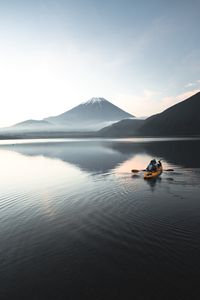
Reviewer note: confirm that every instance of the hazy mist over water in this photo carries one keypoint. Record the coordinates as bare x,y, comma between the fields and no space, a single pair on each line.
76,224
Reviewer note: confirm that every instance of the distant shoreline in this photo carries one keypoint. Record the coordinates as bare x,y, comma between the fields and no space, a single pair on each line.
74,135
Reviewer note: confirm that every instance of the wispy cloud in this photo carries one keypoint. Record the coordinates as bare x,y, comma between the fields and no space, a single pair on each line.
190,84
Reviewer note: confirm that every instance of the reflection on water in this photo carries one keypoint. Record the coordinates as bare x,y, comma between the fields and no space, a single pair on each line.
77,224
93,157
101,156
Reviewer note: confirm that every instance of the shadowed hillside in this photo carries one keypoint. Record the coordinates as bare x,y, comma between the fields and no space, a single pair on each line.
180,119
124,128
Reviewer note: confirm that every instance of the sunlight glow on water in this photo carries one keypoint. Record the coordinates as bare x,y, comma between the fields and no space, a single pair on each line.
138,162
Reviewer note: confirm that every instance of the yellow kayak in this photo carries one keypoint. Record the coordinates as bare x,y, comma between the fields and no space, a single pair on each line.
154,174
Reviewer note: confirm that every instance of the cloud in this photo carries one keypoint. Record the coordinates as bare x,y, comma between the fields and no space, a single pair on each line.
190,84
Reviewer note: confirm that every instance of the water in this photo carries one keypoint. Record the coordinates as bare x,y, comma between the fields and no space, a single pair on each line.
76,224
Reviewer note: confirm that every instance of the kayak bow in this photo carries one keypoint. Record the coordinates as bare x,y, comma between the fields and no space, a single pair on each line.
154,174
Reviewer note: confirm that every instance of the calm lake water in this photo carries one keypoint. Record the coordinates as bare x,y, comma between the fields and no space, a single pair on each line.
76,224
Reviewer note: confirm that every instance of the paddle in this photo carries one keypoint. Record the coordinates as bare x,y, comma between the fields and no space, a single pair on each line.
137,171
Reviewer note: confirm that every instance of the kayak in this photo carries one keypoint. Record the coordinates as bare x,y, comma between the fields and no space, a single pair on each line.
154,174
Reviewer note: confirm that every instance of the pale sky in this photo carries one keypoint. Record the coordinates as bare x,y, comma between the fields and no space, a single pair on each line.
141,55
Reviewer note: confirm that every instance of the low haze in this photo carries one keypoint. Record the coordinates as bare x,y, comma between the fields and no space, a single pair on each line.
143,56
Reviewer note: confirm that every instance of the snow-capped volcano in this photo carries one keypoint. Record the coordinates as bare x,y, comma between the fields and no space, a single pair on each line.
90,115
94,100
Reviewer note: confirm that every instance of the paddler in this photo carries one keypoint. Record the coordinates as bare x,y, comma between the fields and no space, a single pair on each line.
152,166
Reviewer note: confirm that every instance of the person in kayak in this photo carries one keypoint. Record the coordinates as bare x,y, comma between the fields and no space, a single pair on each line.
153,165
153,170
159,164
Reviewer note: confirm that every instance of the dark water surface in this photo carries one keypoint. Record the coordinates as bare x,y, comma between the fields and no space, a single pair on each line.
75,223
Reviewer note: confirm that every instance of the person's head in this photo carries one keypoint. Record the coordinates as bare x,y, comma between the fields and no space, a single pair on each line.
153,161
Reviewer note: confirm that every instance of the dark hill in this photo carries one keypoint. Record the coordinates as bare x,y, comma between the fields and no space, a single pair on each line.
124,128
180,119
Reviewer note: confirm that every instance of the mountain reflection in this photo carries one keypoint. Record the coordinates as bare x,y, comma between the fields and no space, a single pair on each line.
105,155
93,157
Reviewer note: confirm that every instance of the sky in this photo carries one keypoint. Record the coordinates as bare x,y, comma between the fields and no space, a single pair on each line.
143,56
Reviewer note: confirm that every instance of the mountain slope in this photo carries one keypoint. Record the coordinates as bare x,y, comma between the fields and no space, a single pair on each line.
33,123
93,114
180,119
30,125
124,128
